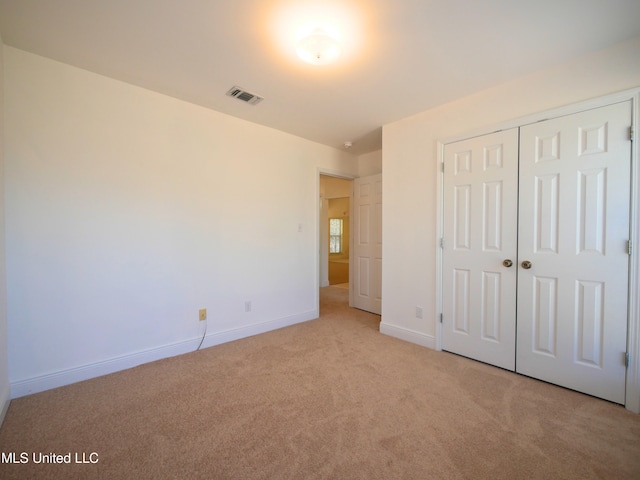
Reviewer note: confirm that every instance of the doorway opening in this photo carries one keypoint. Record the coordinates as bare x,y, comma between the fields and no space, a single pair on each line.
335,233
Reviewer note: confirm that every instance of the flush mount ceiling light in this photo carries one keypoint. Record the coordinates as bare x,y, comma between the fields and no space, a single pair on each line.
320,32
318,48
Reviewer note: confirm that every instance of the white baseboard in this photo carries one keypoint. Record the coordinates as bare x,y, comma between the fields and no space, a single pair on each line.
73,375
78,374
408,335
216,338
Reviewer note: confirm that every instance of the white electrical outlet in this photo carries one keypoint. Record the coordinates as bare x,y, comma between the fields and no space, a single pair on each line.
247,306
419,312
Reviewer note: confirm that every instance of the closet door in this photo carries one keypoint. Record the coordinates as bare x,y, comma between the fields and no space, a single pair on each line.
573,233
480,229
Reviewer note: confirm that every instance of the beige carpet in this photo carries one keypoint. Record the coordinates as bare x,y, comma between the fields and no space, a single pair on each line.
327,399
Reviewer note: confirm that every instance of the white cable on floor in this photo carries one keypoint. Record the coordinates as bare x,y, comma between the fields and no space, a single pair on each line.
203,335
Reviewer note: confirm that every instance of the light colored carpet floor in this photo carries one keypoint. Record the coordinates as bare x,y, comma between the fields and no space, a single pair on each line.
327,399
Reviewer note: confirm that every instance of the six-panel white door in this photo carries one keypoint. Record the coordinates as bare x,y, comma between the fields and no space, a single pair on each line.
572,264
573,229
480,235
367,245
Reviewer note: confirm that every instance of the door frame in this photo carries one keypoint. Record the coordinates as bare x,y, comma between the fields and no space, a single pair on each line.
632,397
345,176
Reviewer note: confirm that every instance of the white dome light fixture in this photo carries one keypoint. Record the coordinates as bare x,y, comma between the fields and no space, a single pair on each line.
319,48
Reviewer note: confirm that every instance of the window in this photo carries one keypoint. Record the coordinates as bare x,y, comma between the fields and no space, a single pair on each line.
335,235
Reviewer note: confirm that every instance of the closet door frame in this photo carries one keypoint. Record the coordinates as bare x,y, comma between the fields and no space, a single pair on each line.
632,397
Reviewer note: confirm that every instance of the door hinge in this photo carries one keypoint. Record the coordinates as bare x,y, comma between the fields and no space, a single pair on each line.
442,242
441,315
626,359
442,168
631,133
629,247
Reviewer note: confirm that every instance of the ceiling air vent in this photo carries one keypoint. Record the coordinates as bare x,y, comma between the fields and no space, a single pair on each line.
245,96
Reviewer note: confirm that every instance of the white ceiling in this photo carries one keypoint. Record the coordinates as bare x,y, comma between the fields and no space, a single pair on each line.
400,57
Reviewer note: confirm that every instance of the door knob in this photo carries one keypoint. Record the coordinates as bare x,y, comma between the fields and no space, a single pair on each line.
507,263
526,264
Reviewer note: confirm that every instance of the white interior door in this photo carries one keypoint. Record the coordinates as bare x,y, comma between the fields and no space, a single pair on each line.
480,239
366,275
570,304
573,229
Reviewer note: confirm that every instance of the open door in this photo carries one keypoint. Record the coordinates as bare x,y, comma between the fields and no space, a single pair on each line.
366,263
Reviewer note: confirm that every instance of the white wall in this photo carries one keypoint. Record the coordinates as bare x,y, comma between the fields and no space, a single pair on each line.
5,393
370,163
410,173
127,211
